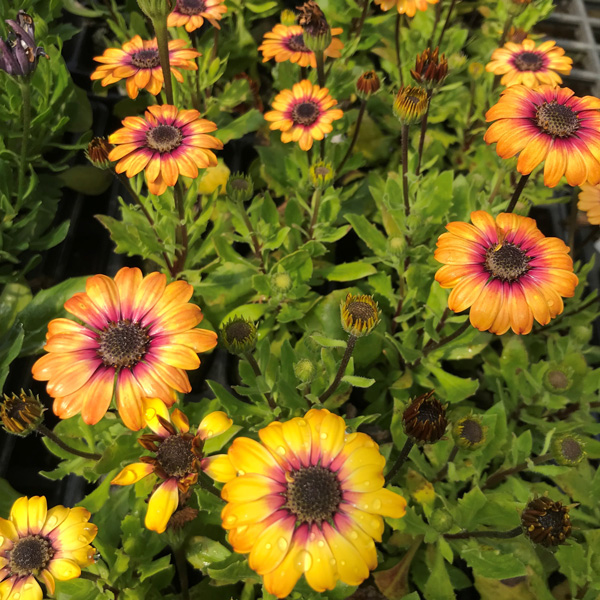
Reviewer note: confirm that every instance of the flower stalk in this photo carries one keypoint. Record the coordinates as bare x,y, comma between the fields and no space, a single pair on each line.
53,437
181,234
400,460
430,347
341,370
162,37
517,193
424,120
463,535
316,203
397,37
446,23
500,475
359,118
405,169
25,87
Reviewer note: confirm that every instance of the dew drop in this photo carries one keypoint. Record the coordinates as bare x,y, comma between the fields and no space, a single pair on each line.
268,546
302,423
354,535
321,544
281,451
83,539
342,563
242,529
323,436
375,524
231,519
364,506
376,504
332,562
27,586
150,414
282,544
210,433
16,596
303,561
51,522
1,540
240,473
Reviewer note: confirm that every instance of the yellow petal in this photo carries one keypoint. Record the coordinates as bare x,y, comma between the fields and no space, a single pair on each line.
250,487
75,537
154,408
272,545
248,456
132,474
162,505
7,530
64,569
238,515
214,424
364,479
322,573
363,543
371,524
19,515
28,588
48,581
352,569
180,421
331,433
382,502
219,467
37,511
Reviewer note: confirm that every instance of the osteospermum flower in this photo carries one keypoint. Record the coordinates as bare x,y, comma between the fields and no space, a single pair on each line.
303,114
191,13
531,66
138,62
167,143
405,7
589,202
505,270
286,42
137,340
45,544
548,124
308,499
178,461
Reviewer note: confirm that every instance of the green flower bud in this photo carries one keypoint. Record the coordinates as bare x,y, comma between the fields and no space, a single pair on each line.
281,283
441,520
304,370
321,175
396,245
469,433
20,415
155,9
240,187
317,34
568,450
239,335
288,17
558,379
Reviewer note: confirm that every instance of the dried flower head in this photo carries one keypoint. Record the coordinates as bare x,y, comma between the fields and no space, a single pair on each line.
317,33
97,152
360,314
430,69
410,104
546,522
21,414
19,53
568,450
239,335
469,433
321,175
516,35
367,84
425,419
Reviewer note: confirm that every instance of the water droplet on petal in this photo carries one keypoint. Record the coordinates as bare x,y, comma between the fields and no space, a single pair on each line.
323,436
150,414
83,539
51,522
332,562
375,524
321,544
364,506
210,433
376,504
281,451
240,473
1,540
16,596
302,423
27,586
268,546
282,544
342,563
354,535
231,519
303,561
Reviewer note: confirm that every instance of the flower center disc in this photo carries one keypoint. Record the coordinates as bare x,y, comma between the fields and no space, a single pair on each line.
556,119
175,456
555,521
471,431
238,331
30,555
570,449
296,43
314,494
305,113
146,59
528,61
123,344
239,184
191,7
507,263
164,138
361,311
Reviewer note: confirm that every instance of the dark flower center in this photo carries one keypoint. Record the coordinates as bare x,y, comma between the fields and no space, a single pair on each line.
30,555
305,113
164,138
552,520
175,456
361,311
508,263
238,331
546,522
191,7
146,59
556,119
471,431
528,61
314,494
558,380
295,43
322,171
123,344
428,412
238,183
571,449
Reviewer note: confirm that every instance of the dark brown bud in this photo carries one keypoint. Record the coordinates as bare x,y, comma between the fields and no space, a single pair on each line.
425,419
430,69
317,34
97,152
516,35
546,522
367,84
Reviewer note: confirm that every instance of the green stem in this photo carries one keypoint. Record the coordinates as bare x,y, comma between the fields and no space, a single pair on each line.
52,436
320,58
316,203
397,37
181,234
507,26
430,347
446,22
255,243
342,369
162,37
181,565
500,475
258,373
363,16
424,120
23,162
359,119
400,460
484,534
517,193
405,169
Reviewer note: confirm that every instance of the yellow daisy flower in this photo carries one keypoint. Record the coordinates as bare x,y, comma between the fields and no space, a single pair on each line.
42,544
303,114
308,499
178,459
589,202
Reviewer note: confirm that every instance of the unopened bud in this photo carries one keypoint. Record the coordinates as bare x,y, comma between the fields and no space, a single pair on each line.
304,370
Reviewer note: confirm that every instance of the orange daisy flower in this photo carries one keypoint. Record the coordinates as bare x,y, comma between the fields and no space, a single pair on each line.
286,42
192,13
137,340
406,7
505,270
138,62
308,500
179,458
589,202
548,124
167,143
41,544
302,114
531,66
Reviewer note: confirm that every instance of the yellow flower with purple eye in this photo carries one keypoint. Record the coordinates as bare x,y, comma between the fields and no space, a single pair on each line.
137,340
551,125
165,144
192,13
505,270
137,62
308,499
530,65
303,114
178,458
406,7
41,544
286,42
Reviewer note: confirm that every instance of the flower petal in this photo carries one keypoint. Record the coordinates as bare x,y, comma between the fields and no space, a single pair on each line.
132,474
213,424
163,503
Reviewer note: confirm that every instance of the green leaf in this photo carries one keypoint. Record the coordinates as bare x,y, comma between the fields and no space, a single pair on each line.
328,342
14,298
393,583
86,179
438,586
148,569
361,382
468,508
10,346
491,563
77,589
7,498
348,271
453,388
202,552
248,122
368,233
260,8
